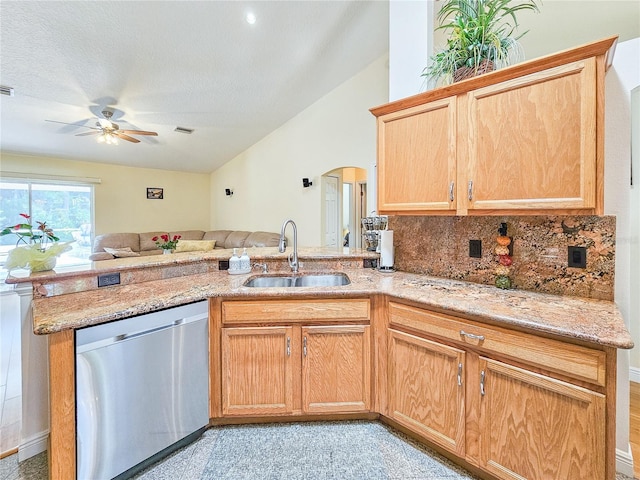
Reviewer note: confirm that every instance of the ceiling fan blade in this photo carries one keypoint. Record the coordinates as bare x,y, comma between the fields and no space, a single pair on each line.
139,132
72,124
97,132
121,135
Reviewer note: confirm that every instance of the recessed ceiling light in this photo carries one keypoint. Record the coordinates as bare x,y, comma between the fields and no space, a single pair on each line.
4,90
186,130
251,18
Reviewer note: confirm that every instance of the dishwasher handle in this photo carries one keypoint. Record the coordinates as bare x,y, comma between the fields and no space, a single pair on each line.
128,336
121,337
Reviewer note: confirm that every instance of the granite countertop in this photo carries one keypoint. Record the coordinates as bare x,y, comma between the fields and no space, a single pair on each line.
593,321
257,254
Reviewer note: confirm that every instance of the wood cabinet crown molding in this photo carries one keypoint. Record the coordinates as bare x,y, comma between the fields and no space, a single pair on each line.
604,47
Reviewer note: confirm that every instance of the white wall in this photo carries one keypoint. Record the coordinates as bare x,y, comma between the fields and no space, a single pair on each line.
407,21
634,227
623,77
121,203
336,131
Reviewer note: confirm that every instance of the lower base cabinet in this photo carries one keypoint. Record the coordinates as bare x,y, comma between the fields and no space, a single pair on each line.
534,426
257,371
509,420
426,391
295,368
336,373
511,404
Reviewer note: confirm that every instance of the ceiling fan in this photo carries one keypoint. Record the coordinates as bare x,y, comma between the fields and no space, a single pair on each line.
109,132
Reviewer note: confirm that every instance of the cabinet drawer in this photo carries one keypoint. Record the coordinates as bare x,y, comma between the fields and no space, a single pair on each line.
279,311
579,362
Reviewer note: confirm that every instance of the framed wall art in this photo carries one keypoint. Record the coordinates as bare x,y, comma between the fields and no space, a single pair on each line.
155,193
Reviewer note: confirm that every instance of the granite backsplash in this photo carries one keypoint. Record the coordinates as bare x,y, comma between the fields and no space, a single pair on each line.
439,246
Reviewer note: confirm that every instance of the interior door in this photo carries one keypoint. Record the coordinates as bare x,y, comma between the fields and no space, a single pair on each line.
332,211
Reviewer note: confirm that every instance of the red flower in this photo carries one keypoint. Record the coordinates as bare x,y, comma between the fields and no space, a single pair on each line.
25,216
155,238
165,237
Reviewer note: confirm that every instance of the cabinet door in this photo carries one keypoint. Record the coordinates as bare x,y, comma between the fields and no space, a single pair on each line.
336,369
535,427
426,389
531,141
417,158
257,370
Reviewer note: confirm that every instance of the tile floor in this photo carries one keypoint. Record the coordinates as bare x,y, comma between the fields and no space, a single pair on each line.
357,450
349,450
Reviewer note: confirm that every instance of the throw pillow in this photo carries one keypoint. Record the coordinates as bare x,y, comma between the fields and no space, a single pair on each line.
195,245
121,252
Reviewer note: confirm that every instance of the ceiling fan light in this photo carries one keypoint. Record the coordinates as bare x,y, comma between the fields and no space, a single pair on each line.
101,138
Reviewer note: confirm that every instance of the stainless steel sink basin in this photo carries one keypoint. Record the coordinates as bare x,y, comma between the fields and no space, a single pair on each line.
269,282
323,280
312,280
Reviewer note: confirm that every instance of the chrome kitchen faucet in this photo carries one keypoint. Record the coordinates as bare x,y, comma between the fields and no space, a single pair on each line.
293,257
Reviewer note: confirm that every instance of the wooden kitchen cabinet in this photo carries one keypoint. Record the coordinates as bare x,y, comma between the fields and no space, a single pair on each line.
524,407
336,368
291,367
530,143
417,158
426,389
522,140
257,371
534,426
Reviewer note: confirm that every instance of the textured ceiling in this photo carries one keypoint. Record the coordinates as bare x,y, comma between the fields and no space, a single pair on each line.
162,64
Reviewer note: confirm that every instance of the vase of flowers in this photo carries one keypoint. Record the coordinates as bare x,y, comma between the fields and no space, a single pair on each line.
166,243
36,248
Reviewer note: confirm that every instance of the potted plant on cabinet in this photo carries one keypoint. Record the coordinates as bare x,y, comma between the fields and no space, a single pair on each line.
480,39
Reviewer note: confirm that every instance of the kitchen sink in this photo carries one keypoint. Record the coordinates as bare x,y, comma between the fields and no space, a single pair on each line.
311,280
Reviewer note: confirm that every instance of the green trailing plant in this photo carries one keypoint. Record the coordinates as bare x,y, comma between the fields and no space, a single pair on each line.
480,39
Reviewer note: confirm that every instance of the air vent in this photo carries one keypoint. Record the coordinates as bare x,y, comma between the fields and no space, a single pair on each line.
188,131
4,90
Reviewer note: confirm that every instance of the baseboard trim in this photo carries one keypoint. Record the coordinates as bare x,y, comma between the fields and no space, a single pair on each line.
32,446
634,374
624,462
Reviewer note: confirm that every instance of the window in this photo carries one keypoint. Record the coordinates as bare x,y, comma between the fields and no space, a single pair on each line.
67,208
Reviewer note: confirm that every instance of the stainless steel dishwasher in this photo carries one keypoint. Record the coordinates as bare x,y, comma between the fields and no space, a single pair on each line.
142,389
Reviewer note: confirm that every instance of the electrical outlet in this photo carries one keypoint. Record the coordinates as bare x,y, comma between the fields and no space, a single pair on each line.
475,248
369,262
223,264
108,279
577,257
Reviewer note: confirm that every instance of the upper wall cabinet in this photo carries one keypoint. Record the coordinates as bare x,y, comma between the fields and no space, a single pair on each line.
526,139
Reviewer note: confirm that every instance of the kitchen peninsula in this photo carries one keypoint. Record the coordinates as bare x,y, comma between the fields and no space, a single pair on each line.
424,344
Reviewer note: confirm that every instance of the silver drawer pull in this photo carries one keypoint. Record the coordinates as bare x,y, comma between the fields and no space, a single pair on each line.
304,346
459,374
288,346
480,338
451,185
470,190
482,375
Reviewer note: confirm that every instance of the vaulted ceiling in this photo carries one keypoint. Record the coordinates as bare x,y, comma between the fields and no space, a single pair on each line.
163,64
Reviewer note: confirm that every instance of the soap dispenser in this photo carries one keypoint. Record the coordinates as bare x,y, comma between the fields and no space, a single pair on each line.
234,261
245,261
